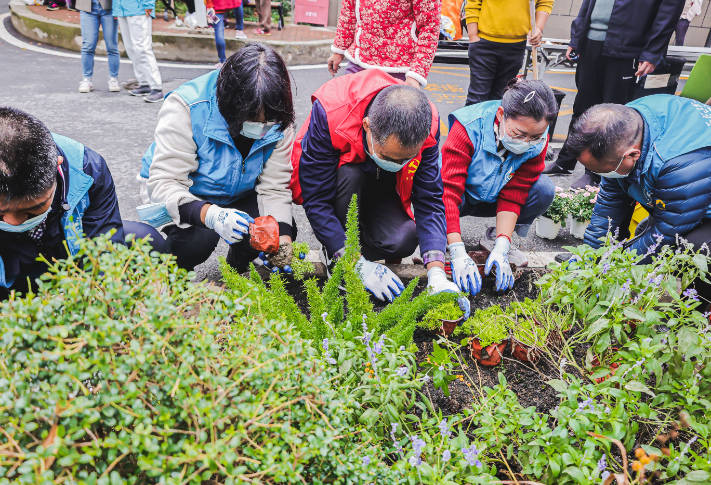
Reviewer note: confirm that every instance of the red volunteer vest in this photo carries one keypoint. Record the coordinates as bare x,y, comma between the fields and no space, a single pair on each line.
345,100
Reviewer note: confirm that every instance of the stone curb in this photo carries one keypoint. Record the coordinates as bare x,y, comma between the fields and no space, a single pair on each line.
167,46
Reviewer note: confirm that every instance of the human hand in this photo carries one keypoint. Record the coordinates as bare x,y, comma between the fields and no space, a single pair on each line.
535,36
437,281
231,224
210,11
473,31
149,11
644,68
464,271
334,63
499,258
379,279
568,53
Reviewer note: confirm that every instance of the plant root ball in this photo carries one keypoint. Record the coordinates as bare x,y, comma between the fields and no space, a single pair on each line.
283,256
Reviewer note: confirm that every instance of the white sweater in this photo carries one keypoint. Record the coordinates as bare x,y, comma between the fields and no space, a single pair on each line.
175,158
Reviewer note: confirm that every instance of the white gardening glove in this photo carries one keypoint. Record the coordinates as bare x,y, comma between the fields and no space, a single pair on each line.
464,271
232,225
379,280
499,257
437,281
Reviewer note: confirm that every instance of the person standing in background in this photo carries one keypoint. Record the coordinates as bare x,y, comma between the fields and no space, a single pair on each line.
692,8
264,13
217,10
498,31
395,36
97,14
616,41
135,18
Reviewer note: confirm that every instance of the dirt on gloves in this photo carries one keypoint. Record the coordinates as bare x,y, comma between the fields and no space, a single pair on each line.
283,256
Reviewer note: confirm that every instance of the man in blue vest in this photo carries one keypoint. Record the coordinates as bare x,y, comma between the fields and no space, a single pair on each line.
655,151
53,191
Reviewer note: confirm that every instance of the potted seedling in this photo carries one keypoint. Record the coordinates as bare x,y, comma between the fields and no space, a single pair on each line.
479,257
548,225
443,318
527,339
581,207
489,333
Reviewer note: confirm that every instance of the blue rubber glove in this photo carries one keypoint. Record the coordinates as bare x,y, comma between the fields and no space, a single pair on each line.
499,258
379,280
464,271
437,281
271,267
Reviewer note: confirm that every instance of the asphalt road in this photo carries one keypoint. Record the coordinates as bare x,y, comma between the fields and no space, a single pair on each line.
120,126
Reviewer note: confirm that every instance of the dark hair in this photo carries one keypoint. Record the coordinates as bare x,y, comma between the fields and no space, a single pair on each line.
530,99
28,156
254,80
403,111
603,130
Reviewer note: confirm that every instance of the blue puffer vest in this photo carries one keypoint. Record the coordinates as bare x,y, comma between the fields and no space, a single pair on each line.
487,174
77,197
669,138
223,176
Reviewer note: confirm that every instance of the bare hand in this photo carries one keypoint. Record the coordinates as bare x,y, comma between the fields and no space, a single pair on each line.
534,37
149,11
708,101
644,68
211,11
568,52
412,82
473,31
334,63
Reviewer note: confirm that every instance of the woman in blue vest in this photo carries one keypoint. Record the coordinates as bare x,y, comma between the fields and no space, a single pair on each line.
491,167
53,191
221,156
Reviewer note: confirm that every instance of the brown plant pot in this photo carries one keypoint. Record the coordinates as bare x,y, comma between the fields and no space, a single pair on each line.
490,355
613,368
523,352
448,326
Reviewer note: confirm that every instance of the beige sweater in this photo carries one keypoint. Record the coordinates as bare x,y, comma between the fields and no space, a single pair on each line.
175,158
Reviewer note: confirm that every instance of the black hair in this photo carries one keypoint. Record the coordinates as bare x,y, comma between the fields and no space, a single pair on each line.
403,111
604,130
530,99
28,156
254,80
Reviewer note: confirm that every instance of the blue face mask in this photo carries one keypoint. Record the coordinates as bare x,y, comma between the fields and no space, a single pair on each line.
28,225
386,165
255,129
155,214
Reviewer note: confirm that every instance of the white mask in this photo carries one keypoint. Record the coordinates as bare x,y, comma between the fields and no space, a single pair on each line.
255,129
613,174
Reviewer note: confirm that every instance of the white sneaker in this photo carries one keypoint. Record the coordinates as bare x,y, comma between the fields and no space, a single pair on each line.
114,86
86,85
239,34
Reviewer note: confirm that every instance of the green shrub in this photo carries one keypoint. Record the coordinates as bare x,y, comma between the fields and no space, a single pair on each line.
490,325
301,267
446,311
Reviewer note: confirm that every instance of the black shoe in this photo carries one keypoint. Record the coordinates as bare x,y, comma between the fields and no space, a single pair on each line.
140,91
555,169
588,178
155,96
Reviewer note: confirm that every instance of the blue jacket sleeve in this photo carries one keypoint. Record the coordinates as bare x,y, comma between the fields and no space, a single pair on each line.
103,214
577,26
682,195
660,31
317,176
427,202
613,209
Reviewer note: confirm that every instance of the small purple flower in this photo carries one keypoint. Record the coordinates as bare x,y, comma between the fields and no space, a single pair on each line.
446,456
626,286
691,294
417,446
605,475
654,280
602,464
706,315
401,371
378,347
366,460
324,344
584,405
444,428
425,379
396,443
471,455
605,268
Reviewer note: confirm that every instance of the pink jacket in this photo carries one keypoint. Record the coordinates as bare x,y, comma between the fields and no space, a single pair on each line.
223,5
394,35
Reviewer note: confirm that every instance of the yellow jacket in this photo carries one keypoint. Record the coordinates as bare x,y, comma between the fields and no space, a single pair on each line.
503,20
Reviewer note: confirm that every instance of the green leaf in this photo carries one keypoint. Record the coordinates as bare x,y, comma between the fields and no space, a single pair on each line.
369,417
637,386
558,385
698,476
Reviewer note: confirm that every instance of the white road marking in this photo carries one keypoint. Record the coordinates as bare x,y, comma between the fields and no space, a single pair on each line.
6,36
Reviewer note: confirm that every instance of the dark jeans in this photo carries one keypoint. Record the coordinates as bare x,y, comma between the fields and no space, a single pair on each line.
681,27
193,245
599,79
539,199
220,30
491,66
141,230
386,231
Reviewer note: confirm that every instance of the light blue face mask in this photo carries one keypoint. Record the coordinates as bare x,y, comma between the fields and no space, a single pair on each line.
516,146
155,214
386,165
28,225
255,129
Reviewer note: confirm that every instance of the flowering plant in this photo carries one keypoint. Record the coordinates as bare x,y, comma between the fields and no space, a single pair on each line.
582,202
560,207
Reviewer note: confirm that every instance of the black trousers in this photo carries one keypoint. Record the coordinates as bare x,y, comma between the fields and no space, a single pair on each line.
386,231
698,237
491,66
193,245
599,79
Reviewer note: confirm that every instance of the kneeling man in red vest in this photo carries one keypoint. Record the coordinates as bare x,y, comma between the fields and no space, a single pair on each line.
371,135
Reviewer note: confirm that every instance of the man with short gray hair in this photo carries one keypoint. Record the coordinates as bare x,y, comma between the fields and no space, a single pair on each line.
656,151
370,135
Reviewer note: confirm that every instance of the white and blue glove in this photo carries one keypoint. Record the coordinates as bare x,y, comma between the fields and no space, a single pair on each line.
379,280
499,258
231,225
437,281
464,271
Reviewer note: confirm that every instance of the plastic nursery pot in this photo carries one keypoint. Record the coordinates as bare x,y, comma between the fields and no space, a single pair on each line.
448,326
523,352
490,355
546,228
577,228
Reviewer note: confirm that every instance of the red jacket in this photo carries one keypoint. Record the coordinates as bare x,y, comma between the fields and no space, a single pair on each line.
345,100
223,5
393,35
